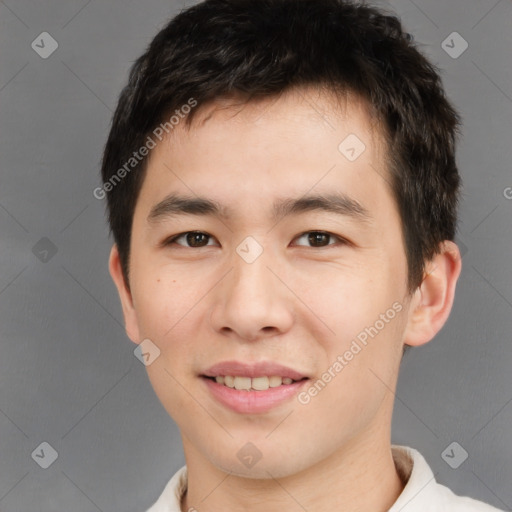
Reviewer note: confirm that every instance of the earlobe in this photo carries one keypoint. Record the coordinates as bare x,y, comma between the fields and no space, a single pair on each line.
433,300
129,313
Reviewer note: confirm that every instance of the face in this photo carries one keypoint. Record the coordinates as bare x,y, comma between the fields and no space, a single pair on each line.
296,259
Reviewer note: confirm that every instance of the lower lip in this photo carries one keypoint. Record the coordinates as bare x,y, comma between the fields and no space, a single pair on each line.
250,402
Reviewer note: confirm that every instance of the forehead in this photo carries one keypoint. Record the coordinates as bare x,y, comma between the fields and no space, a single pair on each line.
290,113
303,140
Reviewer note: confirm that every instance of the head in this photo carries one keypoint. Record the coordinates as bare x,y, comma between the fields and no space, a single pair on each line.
251,104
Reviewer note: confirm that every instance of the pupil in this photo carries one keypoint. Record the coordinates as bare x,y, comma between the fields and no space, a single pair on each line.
317,238
194,239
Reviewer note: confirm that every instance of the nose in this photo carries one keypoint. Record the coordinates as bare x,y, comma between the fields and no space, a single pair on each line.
252,302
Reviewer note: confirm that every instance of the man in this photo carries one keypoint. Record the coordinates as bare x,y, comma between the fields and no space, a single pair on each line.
282,191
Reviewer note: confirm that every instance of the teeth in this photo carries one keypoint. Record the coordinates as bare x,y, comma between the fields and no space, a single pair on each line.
243,383
256,384
260,383
273,382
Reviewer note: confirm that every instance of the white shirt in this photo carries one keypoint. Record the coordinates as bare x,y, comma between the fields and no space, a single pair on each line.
421,493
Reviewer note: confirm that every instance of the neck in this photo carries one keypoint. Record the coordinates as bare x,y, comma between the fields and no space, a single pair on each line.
360,477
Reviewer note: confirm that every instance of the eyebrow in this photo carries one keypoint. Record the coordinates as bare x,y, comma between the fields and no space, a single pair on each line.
339,203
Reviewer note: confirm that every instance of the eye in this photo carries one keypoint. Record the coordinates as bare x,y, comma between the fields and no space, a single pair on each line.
320,238
198,239
194,239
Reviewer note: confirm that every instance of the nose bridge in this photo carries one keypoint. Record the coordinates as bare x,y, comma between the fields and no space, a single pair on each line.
250,281
251,300
250,284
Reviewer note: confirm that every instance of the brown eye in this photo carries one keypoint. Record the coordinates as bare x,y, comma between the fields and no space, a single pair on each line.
319,238
193,239
197,239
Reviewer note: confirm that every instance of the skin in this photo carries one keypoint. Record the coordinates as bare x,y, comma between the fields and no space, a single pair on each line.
298,304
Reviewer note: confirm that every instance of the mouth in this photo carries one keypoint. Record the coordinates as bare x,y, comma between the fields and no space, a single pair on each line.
249,400
252,388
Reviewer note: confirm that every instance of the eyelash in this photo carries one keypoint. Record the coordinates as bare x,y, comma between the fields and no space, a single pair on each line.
172,240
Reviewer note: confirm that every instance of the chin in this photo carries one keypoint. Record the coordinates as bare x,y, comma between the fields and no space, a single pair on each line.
260,471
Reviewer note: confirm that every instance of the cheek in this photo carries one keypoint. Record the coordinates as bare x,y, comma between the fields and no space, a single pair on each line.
361,370
164,301
342,297
360,314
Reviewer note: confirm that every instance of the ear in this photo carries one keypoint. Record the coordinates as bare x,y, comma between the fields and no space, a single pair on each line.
130,317
433,300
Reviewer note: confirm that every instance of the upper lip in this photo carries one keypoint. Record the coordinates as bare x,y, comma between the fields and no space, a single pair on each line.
260,369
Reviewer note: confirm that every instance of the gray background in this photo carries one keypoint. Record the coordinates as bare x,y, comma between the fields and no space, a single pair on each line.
68,375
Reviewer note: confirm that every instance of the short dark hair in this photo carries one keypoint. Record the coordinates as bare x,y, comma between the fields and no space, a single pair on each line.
262,48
